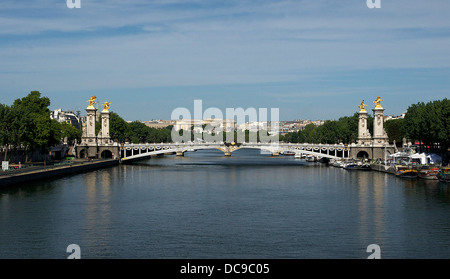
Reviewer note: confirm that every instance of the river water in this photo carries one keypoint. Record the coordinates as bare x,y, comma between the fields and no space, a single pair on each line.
205,205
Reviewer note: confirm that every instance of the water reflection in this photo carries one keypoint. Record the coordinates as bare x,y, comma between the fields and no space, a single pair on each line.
98,210
245,206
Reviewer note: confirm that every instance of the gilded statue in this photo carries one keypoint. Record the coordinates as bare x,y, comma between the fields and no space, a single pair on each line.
362,106
92,102
106,106
377,102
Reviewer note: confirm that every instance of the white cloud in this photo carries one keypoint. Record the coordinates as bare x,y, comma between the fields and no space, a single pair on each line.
136,44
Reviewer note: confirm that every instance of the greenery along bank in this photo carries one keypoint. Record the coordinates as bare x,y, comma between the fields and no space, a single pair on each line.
26,125
428,124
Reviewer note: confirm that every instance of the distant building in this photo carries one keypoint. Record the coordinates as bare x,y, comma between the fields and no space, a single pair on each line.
159,124
253,126
67,116
392,117
225,125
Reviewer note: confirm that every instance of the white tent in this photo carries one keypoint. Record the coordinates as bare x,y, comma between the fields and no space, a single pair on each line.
427,159
422,157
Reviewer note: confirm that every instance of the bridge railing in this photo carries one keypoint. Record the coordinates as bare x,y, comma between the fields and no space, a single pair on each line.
131,151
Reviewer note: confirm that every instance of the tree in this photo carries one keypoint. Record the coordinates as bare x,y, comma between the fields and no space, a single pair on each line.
139,131
394,129
118,127
32,125
430,125
6,133
70,132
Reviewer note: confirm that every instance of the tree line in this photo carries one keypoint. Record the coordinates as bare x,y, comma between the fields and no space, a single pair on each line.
208,133
136,131
26,124
343,130
426,123
429,124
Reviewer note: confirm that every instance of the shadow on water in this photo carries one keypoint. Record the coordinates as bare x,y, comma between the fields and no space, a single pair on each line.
239,158
207,205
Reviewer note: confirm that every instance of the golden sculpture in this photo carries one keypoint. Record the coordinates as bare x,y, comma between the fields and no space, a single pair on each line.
362,107
92,102
377,102
106,106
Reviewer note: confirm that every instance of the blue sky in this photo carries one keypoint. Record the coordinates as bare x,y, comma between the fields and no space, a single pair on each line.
312,59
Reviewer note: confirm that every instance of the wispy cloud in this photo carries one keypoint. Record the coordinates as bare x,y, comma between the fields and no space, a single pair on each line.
113,45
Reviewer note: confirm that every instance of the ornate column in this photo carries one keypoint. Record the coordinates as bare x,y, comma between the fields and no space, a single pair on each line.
379,134
105,135
364,136
89,144
89,133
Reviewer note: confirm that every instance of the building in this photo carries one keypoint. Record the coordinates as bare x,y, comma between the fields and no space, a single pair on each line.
225,125
159,124
393,117
67,116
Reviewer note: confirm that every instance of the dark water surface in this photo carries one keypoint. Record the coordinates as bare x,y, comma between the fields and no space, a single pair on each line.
205,205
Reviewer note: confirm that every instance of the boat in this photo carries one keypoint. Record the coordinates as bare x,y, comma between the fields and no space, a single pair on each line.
429,173
297,156
364,166
444,174
310,159
351,166
338,164
409,173
287,153
399,169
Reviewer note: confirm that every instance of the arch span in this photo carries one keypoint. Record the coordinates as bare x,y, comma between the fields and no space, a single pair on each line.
106,154
130,152
362,154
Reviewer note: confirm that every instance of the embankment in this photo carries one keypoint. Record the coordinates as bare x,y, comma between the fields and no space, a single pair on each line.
51,172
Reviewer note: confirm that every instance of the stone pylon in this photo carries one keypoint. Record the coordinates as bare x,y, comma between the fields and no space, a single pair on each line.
364,136
104,135
380,136
89,133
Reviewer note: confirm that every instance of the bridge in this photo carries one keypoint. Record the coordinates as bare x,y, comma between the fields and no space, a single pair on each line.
101,145
132,152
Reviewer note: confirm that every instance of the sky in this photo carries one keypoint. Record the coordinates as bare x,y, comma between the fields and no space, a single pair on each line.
311,59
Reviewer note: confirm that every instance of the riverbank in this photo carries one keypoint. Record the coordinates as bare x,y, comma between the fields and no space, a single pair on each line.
382,168
18,178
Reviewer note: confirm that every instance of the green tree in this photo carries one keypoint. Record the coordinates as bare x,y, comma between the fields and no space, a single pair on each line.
394,129
118,127
32,125
139,132
6,128
70,132
430,125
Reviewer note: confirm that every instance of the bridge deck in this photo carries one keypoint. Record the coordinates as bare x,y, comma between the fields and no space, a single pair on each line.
141,151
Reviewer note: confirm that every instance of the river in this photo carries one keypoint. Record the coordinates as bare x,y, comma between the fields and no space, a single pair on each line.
208,206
